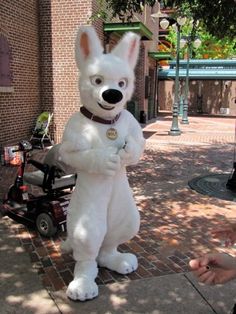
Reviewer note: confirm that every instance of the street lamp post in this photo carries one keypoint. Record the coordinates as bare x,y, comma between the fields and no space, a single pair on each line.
188,41
174,130
164,23
186,87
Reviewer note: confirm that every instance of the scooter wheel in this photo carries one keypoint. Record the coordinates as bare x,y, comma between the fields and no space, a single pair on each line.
45,225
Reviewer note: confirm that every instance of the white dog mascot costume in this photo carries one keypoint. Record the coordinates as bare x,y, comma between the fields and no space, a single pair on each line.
99,142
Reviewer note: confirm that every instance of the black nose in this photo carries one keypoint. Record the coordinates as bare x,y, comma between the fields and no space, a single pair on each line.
112,96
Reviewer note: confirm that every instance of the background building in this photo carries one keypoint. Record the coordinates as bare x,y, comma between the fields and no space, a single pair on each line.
37,65
40,37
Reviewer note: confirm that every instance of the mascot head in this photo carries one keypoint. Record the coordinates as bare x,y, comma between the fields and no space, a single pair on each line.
106,80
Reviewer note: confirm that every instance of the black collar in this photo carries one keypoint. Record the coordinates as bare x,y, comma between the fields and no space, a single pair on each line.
90,116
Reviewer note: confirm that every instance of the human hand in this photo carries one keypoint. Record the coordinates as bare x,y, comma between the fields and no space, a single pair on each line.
226,233
212,269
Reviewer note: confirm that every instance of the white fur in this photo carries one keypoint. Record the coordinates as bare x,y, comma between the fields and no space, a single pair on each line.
102,213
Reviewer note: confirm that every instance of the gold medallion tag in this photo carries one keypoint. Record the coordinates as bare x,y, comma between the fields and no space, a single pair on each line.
112,134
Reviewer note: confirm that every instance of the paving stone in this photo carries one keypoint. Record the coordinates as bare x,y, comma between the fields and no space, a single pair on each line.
174,219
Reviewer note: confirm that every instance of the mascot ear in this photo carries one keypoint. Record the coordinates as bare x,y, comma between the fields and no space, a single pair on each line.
128,48
87,45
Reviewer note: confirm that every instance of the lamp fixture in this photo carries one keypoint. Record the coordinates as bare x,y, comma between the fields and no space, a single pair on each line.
181,20
187,40
182,43
197,42
164,23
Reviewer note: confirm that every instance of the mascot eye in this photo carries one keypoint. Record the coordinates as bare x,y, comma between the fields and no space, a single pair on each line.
123,83
96,80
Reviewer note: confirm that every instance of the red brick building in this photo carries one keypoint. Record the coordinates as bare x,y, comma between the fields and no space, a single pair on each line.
20,98
37,66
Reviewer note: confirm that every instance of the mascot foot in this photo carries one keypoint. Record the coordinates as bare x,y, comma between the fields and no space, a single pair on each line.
82,289
122,263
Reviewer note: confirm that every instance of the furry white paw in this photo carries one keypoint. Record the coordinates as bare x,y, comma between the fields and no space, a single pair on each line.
131,151
82,289
122,263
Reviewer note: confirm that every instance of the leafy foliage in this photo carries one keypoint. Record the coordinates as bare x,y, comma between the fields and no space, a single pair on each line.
217,16
125,9
215,48
211,47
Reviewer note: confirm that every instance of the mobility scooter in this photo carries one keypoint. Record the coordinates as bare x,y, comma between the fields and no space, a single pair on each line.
46,211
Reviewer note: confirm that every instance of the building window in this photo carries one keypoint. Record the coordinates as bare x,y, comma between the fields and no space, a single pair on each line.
5,62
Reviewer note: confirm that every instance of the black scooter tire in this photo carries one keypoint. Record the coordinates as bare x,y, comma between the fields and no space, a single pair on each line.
45,225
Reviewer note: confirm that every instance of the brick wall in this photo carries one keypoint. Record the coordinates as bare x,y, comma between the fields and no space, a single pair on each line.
45,75
145,63
59,21
216,94
98,24
46,62
20,107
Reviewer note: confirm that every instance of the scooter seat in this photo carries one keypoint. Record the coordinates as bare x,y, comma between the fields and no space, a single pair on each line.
34,177
37,178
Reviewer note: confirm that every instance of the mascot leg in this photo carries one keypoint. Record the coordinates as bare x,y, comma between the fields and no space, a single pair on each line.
87,225
83,287
86,240
123,224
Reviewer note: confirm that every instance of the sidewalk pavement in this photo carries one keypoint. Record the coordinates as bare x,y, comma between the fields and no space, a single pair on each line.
175,225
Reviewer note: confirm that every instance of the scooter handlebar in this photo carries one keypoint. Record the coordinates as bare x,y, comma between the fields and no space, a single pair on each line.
24,146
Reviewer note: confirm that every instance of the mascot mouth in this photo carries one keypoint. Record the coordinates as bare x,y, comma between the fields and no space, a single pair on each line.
105,107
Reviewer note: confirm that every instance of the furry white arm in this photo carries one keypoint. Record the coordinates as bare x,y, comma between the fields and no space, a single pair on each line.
132,150
134,142
97,161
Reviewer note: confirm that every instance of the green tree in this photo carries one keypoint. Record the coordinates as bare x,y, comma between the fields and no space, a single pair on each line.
122,9
218,16
215,48
211,47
